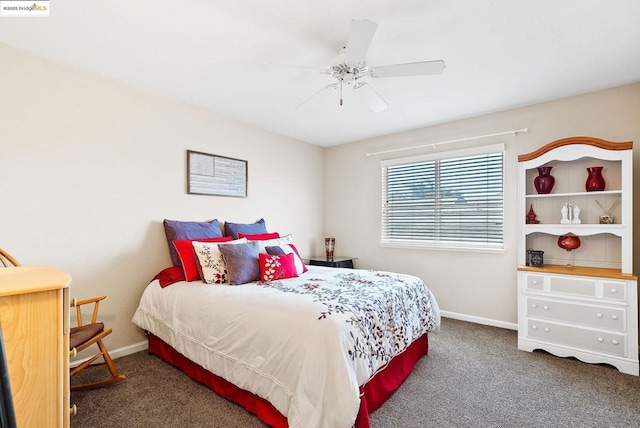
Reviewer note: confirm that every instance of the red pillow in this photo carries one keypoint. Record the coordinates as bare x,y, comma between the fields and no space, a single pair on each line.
277,267
169,275
259,236
188,257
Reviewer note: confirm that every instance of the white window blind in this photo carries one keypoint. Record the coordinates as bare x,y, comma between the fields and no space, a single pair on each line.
454,201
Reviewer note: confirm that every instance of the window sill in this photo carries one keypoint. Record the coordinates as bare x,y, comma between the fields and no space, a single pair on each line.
492,249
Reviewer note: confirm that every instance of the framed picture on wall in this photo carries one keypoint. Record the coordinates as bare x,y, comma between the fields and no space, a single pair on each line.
209,174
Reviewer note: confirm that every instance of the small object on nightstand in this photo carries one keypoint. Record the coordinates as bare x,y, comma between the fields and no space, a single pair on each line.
329,247
337,262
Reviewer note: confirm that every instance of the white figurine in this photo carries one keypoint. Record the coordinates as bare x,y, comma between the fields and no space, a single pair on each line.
576,215
565,213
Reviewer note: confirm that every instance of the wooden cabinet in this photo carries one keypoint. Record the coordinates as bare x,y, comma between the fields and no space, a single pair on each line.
34,317
584,302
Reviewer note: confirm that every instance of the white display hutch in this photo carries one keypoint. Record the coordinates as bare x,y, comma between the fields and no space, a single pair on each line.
581,303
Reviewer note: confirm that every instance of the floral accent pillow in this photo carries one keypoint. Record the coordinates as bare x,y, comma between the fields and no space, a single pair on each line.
212,265
288,249
189,262
273,268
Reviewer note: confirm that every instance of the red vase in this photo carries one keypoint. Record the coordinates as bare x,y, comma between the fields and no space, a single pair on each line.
544,181
595,180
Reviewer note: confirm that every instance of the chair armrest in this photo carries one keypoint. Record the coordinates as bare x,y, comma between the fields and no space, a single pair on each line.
79,303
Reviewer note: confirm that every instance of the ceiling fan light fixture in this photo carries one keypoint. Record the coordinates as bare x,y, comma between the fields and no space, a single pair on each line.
375,102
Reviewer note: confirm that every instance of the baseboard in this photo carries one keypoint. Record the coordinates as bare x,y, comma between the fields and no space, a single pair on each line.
117,353
479,320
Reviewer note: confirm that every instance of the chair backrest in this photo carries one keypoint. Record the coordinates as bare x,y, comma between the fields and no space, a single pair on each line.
7,260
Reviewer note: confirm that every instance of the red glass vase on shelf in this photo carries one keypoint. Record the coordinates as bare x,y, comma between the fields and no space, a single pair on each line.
544,181
595,180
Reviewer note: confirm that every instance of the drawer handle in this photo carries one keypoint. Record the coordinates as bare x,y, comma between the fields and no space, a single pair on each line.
534,282
600,339
535,327
599,315
545,307
615,342
614,291
546,329
533,305
614,317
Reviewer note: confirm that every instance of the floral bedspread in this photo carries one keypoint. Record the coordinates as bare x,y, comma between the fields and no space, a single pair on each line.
305,344
387,311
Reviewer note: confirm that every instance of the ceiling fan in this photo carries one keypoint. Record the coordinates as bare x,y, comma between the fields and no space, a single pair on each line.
350,67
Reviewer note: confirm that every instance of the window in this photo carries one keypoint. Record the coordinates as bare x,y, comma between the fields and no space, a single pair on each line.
454,199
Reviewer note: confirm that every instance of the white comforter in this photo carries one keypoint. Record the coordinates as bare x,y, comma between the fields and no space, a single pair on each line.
304,344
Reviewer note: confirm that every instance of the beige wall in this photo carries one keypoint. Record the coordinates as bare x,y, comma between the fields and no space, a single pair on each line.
479,286
89,169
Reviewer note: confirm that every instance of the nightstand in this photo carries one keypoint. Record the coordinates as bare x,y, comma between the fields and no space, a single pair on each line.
338,262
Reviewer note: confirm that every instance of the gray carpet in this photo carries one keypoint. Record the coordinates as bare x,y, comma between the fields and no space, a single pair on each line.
474,376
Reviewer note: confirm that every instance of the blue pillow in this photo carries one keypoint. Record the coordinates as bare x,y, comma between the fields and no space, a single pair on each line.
175,229
274,251
242,260
232,229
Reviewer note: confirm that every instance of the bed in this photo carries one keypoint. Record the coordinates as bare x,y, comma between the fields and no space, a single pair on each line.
319,350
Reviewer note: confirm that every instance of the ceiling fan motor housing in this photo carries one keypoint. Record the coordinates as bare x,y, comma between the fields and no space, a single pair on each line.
349,73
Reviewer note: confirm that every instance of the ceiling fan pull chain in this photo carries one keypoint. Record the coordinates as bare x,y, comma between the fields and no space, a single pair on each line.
340,92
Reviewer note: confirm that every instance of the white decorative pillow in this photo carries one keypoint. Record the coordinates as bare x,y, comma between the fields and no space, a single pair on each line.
276,242
212,264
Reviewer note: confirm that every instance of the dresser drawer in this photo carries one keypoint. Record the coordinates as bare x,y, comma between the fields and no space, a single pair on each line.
604,343
587,315
614,290
576,286
535,282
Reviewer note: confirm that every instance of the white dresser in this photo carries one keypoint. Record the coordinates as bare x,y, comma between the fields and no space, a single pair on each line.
582,303
570,312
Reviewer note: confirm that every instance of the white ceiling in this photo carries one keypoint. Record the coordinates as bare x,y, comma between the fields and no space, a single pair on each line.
499,54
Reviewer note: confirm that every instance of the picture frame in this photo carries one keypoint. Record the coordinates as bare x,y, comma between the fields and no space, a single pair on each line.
215,175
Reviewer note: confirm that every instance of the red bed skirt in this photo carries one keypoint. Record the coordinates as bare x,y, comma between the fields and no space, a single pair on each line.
372,394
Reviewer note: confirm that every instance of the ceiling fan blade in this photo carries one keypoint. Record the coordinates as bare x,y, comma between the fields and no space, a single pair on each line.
330,86
423,68
375,101
299,67
360,36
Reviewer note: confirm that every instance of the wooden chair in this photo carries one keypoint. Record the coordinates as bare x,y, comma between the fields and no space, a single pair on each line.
6,259
85,335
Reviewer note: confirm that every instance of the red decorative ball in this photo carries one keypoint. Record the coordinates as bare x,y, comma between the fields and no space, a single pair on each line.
569,242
